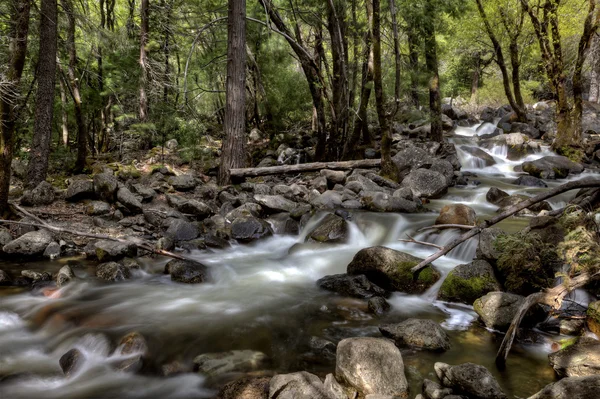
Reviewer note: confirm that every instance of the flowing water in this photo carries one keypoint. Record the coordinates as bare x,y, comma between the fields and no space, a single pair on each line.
263,298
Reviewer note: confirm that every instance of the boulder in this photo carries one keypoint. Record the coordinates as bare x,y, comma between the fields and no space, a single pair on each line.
181,230
469,379
275,203
517,145
426,183
433,390
241,361
183,182
250,228
383,202
5,278
552,167
497,310
247,209
371,366
424,334
43,194
33,243
593,317
525,128
327,200
529,181
505,203
300,385
358,183
332,229
80,189
354,286
146,193
52,251
71,362
483,158
495,195
246,388
188,272
130,201
486,248
579,359
390,269
108,250
196,208
466,283
571,388
457,214
98,208
105,186
334,176
112,271
171,144
5,237
65,276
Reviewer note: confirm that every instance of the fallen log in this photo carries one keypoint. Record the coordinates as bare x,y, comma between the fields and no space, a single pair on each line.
583,183
141,244
552,297
304,167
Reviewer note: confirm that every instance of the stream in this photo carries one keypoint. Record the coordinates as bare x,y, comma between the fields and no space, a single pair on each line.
263,298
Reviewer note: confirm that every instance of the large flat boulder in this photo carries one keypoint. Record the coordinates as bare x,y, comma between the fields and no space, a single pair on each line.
354,286
552,167
371,366
426,183
33,243
571,388
390,269
577,360
469,379
419,333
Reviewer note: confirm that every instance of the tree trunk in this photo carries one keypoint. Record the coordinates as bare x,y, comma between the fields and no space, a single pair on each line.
144,28
337,30
388,168
594,55
413,56
362,123
81,128
393,12
431,62
517,105
304,167
475,80
44,106
65,118
234,144
19,29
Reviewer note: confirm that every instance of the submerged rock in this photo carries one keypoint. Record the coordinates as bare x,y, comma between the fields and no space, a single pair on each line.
466,283
112,271
134,346
497,310
214,364
65,275
249,228
187,272
354,286
390,269
469,379
71,362
424,334
300,385
371,366
246,388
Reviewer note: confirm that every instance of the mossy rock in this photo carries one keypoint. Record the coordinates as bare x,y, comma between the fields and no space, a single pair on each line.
390,269
332,229
593,317
468,282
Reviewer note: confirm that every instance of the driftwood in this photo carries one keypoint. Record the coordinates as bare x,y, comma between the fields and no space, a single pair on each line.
412,240
583,183
552,297
447,226
304,167
138,243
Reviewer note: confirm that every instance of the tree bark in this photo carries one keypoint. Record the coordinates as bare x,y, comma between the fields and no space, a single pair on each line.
17,52
393,12
81,127
304,167
594,55
431,61
144,28
65,117
413,57
234,144
388,168
44,106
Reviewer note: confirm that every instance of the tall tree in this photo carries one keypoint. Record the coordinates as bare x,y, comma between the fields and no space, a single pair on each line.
74,82
144,28
594,57
513,31
44,105
396,34
234,143
387,166
19,20
431,62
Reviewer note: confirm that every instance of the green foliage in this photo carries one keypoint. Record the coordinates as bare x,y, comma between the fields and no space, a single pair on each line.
526,263
580,248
